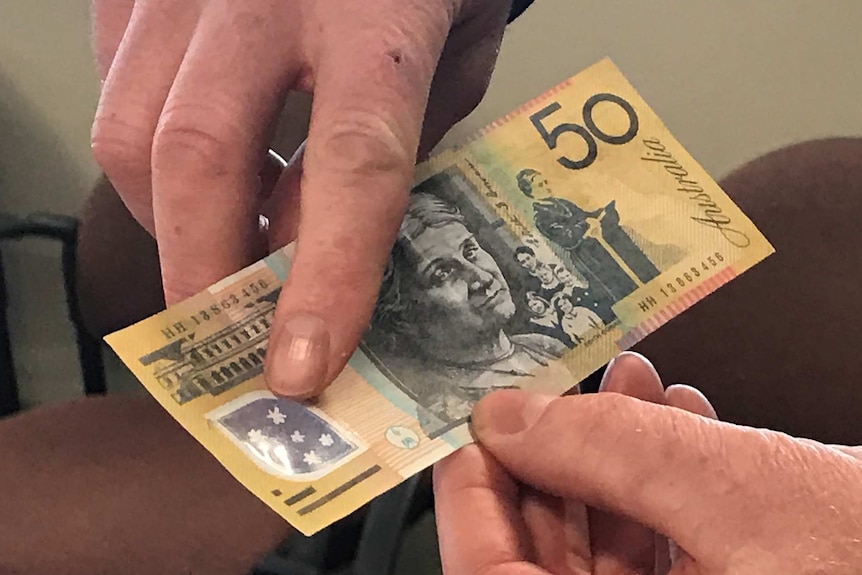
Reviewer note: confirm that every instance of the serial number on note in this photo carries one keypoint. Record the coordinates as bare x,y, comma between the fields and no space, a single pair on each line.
683,280
250,291
689,277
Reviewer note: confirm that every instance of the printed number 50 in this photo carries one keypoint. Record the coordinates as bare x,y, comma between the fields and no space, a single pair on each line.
552,137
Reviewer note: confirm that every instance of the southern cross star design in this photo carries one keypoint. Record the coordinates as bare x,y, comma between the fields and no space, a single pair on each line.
297,437
256,436
326,440
311,458
276,416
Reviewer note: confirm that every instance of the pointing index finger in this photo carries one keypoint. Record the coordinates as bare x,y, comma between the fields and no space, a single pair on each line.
371,89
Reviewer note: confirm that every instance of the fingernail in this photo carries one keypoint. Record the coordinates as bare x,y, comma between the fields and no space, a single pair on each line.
508,412
300,358
607,382
607,374
691,399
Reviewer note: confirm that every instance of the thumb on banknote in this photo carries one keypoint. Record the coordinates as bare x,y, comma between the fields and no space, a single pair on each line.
645,461
721,492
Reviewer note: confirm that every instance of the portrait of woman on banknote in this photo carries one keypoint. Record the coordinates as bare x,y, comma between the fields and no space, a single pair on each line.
452,321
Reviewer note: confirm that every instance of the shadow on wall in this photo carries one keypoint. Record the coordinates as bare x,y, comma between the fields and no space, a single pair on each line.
37,173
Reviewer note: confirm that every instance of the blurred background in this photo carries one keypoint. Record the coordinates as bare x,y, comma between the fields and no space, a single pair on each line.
732,80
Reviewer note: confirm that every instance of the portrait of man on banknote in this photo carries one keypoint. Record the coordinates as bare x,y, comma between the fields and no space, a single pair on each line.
453,319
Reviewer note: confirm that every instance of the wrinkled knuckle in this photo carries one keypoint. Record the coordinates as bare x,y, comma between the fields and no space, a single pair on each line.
193,148
774,451
120,148
713,449
730,457
602,406
366,145
594,414
616,408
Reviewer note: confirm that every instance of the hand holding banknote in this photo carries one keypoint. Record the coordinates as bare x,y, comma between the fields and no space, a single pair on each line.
730,499
191,91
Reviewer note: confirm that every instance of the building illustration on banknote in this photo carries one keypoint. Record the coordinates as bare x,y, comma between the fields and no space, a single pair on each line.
188,368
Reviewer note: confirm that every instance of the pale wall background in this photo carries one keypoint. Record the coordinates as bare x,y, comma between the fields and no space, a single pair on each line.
731,79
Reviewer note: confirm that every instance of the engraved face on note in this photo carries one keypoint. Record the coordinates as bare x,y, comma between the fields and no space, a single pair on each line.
459,284
533,184
453,320
527,258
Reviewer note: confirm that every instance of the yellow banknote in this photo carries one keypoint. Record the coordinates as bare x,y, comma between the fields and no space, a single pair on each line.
562,234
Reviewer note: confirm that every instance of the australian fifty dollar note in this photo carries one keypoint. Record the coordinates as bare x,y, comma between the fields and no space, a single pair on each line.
562,234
